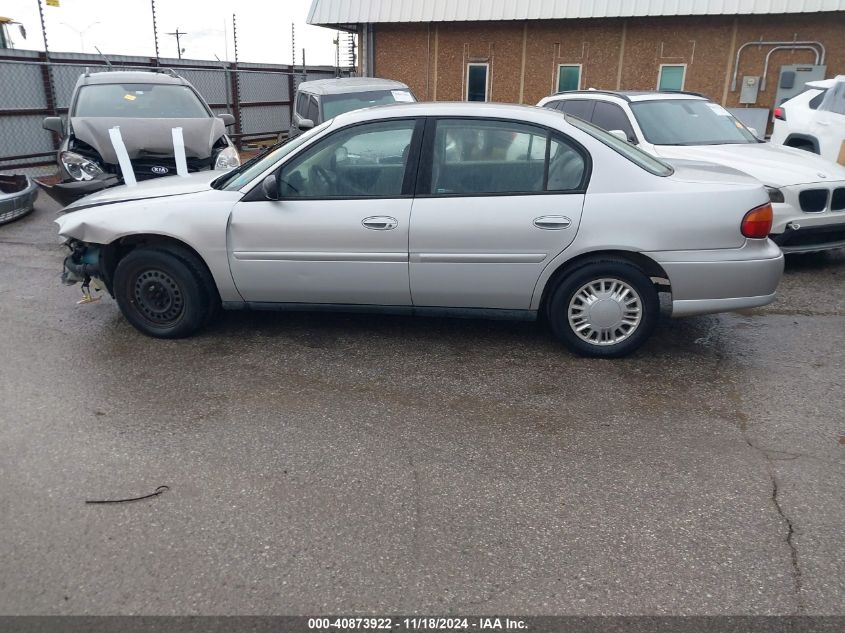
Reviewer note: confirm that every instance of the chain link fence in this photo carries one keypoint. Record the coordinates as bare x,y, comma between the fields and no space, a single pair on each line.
259,96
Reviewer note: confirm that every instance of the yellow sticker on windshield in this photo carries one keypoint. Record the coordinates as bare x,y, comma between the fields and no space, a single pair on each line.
130,97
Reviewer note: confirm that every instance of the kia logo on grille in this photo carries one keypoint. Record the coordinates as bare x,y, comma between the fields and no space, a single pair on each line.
159,170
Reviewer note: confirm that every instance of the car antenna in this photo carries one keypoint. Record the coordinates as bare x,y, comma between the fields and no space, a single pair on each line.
106,59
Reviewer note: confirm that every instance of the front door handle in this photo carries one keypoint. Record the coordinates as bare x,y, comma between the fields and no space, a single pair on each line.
380,222
552,222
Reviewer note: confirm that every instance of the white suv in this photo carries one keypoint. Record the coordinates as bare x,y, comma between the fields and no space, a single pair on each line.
814,120
807,191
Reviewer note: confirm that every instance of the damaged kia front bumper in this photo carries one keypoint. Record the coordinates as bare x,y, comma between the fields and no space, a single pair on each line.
67,192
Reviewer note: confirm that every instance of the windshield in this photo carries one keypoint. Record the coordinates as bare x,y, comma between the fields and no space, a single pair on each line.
254,167
139,101
632,153
689,122
338,104
834,99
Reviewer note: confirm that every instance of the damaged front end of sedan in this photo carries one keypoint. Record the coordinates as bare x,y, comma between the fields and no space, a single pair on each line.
84,265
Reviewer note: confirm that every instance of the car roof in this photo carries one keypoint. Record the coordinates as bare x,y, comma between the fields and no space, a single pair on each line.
130,77
475,109
629,95
825,84
349,84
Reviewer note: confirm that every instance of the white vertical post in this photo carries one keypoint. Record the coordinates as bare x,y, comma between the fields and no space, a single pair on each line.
179,152
122,157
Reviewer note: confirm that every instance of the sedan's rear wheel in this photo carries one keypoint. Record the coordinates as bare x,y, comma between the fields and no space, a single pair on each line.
604,309
162,293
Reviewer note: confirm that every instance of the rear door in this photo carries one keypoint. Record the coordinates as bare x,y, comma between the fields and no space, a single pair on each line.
496,201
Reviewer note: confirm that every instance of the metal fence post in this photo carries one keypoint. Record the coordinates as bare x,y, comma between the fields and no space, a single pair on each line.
49,92
236,105
291,95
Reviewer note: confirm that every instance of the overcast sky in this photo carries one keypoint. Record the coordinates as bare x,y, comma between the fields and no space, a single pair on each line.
125,27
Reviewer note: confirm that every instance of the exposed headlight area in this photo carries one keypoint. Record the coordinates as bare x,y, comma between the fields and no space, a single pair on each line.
227,158
775,194
78,167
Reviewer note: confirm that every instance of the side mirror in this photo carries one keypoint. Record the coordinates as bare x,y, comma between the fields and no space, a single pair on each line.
621,134
227,119
305,124
54,124
753,130
270,187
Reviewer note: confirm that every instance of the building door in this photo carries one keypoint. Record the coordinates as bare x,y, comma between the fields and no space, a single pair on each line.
477,82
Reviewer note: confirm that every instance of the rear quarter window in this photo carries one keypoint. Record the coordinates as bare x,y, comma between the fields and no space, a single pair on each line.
632,153
816,101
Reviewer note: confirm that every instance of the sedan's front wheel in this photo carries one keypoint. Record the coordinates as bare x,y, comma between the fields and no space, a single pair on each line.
162,292
604,309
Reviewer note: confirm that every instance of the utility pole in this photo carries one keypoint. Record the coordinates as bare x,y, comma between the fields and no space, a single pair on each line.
292,45
155,28
178,34
337,54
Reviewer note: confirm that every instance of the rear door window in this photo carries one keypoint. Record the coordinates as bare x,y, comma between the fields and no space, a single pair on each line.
482,157
582,108
609,116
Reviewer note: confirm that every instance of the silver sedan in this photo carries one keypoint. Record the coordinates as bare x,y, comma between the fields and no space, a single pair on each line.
489,210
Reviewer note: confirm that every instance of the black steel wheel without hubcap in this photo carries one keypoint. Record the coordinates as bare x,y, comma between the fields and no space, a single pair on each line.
164,293
158,297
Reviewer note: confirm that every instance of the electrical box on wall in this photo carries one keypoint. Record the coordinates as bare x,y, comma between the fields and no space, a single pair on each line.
792,79
749,89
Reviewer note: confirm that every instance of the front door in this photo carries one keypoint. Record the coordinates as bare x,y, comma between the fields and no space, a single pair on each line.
496,201
339,233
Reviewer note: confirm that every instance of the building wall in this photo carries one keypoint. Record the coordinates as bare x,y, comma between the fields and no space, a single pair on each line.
614,53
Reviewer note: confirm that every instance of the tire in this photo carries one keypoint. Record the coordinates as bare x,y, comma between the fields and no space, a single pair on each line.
599,298
164,292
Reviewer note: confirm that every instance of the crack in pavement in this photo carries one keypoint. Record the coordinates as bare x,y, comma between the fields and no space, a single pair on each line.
742,418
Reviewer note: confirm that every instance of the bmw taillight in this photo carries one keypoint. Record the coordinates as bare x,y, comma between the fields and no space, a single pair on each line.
780,114
757,223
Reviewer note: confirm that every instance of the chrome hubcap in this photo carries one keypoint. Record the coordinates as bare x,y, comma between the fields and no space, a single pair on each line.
605,311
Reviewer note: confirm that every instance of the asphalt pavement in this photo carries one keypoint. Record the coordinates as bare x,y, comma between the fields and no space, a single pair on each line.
330,463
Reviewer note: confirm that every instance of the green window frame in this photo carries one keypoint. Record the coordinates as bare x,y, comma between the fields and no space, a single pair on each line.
568,77
672,77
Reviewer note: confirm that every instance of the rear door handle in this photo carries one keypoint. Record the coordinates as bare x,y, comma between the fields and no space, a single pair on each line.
552,222
380,222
